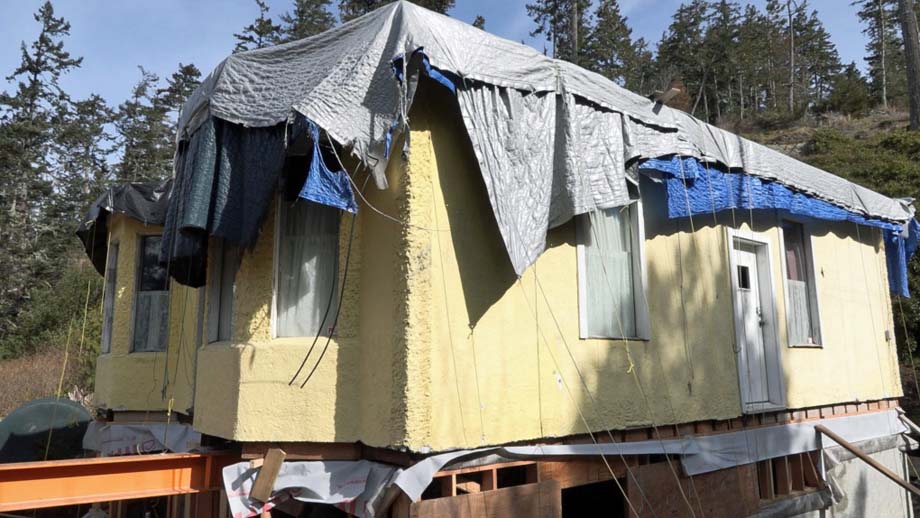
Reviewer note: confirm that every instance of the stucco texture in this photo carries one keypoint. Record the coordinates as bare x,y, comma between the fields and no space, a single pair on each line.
358,391
439,345
133,381
505,358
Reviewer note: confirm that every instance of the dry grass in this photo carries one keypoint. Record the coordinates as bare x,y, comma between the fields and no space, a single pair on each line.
33,376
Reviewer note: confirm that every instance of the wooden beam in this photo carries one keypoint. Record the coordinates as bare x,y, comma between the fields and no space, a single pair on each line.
268,472
894,477
36,485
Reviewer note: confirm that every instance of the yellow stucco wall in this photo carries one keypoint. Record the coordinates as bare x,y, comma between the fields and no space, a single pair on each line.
358,391
439,345
503,371
133,381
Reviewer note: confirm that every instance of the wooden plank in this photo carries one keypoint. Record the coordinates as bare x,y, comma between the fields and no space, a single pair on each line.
540,500
265,478
797,472
782,477
812,479
765,479
140,417
304,450
484,467
448,485
490,480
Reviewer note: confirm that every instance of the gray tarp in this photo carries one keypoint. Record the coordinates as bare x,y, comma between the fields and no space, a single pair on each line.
528,116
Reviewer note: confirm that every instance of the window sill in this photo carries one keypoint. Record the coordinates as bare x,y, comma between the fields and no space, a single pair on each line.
806,346
613,339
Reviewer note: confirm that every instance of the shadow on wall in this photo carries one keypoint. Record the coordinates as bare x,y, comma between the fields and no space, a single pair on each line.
485,268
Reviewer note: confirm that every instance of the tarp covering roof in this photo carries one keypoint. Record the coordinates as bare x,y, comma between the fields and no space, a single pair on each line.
145,202
552,139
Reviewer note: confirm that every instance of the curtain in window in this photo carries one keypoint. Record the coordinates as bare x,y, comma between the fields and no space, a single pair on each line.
151,313
108,297
308,263
797,282
610,296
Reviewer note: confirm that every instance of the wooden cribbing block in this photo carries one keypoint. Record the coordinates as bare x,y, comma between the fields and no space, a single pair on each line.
265,478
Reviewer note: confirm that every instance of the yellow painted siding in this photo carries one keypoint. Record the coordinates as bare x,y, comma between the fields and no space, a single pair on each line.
127,380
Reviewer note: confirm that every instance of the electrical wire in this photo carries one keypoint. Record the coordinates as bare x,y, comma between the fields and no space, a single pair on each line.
338,310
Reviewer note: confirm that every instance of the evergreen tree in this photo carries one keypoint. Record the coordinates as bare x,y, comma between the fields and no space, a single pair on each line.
351,9
29,120
910,33
145,133
564,23
179,86
308,18
850,94
885,50
261,33
609,49
721,57
682,53
756,60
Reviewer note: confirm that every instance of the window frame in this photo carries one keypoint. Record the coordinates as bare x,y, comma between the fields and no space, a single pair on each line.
276,248
810,270
108,302
138,279
222,257
640,281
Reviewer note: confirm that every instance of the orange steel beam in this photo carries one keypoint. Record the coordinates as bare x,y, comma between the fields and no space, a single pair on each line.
34,485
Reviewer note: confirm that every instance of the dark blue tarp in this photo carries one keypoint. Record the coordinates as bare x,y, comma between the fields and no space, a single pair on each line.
226,175
695,188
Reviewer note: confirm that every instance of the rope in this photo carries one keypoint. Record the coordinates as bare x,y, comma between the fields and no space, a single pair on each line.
910,350
585,421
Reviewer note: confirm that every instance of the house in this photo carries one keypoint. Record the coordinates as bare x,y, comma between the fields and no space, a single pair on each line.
450,274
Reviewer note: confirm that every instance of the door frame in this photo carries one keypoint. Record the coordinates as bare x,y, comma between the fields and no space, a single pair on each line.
776,381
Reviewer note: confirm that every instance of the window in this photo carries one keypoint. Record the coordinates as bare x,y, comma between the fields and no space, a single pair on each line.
224,266
306,278
801,296
611,275
108,297
151,304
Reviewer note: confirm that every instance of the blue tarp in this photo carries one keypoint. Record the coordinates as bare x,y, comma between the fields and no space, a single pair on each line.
695,188
324,186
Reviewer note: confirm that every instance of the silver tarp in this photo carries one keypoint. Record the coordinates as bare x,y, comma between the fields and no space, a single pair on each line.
552,139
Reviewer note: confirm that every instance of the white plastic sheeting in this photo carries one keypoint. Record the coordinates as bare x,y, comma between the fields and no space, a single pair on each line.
552,139
359,486
111,439
353,486
747,446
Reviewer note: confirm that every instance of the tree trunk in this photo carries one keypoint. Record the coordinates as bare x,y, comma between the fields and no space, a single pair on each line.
699,94
882,34
791,57
912,57
574,23
741,94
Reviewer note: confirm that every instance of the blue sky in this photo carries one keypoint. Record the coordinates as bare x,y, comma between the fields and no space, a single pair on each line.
115,36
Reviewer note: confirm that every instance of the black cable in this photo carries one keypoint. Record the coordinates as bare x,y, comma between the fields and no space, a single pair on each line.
335,321
321,324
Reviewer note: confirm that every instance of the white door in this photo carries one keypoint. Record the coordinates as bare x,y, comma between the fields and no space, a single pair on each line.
758,357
